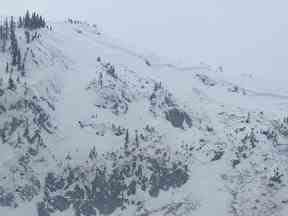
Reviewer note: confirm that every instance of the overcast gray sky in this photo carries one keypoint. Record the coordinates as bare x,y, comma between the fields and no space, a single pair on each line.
247,36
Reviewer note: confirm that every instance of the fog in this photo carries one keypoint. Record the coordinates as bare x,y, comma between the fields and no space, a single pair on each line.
243,36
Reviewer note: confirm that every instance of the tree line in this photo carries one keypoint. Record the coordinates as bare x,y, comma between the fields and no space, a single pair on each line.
8,33
9,42
31,21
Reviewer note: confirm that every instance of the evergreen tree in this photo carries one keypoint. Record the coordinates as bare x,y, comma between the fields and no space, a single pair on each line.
23,69
2,36
127,137
1,32
20,22
33,24
34,36
14,43
14,58
100,80
12,28
27,35
33,21
5,35
248,118
19,65
11,84
7,67
6,27
42,22
25,89
27,20
136,139
126,144
93,153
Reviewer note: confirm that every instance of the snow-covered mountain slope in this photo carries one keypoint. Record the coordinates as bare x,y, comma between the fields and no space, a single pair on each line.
94,128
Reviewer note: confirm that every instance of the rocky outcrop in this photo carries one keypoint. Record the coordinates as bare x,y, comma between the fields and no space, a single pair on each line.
178,118
111,182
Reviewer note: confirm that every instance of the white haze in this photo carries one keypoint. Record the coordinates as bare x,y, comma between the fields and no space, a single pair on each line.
243,36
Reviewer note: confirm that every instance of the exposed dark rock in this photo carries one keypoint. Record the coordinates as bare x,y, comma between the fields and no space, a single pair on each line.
235,162
59,203
217,155
206,80
178,118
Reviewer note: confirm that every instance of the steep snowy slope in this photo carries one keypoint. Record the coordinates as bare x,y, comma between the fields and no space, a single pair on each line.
94,128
